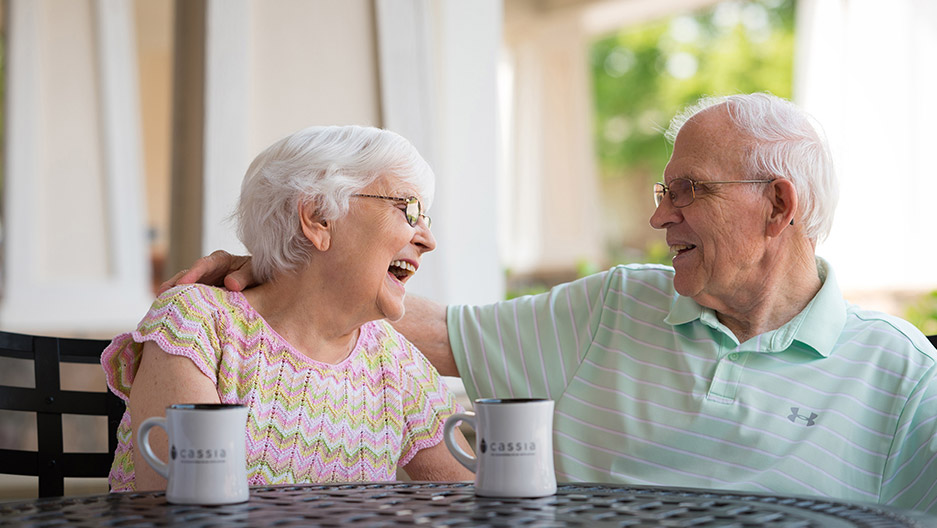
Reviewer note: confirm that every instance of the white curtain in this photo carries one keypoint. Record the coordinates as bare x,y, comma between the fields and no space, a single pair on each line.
867,70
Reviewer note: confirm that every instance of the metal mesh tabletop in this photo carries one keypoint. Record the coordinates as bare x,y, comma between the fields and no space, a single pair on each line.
447,504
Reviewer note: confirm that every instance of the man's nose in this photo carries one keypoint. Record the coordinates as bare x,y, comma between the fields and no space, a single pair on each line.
665,214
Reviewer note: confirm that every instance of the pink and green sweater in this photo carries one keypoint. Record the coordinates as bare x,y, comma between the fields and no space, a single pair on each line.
307,421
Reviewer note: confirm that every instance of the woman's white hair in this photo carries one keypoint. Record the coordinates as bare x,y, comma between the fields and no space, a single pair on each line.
323,165
786,144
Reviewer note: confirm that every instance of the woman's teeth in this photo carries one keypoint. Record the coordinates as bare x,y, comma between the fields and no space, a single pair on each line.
401,269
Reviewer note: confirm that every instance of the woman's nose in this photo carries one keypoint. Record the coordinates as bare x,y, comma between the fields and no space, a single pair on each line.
423,236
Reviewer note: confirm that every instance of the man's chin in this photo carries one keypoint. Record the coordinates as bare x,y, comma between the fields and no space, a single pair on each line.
683,287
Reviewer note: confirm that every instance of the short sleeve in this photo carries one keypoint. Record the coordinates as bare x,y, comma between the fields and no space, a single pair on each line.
181,322
528,347
427,402
910,479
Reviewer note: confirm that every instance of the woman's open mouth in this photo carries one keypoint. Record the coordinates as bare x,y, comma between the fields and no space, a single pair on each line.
401,270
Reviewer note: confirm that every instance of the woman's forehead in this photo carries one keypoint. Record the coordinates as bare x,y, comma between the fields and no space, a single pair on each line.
392,185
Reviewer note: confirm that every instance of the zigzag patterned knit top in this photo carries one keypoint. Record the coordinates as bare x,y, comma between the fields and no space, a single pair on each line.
307,421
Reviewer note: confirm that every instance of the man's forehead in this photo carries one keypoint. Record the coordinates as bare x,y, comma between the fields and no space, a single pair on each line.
711,134
708,139
714,118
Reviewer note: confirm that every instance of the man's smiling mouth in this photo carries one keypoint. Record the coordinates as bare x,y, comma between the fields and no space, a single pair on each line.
678,249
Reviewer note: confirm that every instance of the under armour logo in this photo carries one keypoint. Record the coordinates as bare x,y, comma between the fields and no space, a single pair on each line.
795,415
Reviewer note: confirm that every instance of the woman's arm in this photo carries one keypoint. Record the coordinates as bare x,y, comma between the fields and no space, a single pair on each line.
437,463
162,380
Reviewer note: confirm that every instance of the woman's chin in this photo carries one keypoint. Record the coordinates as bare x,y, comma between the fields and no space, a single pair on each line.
393,318
391,309
393,315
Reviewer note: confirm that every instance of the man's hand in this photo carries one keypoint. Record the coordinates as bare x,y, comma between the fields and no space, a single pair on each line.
218,269
424,324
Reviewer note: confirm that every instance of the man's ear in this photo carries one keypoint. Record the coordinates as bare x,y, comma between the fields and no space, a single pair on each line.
783,198
316,229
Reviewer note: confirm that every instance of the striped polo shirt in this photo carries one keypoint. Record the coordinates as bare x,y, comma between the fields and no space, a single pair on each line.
651,389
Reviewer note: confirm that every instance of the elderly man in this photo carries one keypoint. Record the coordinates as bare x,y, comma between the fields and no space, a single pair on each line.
740,367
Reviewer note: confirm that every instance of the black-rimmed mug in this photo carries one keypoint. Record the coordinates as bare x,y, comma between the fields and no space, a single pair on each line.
513,446
207,452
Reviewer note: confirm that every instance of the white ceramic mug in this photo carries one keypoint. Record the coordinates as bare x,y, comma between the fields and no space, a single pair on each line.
513,446
207,452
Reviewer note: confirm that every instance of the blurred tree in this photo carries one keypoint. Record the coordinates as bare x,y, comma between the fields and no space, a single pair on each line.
643,75
922,313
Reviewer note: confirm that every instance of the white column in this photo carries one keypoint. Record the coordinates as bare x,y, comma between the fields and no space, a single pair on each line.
438,62
227,105
552,215
75,256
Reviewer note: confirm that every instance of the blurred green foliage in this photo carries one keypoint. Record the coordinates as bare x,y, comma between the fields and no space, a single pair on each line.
645,74
642,75
923,313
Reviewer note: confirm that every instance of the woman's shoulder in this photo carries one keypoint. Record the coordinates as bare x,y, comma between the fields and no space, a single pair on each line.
191,307
200,298
194,293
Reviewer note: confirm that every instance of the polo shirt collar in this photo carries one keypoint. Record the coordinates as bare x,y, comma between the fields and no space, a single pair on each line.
817,326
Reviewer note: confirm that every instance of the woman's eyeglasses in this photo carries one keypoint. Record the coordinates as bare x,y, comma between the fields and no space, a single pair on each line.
682,191
413,212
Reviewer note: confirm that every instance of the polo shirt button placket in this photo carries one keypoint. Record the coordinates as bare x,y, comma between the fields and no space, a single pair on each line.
724,385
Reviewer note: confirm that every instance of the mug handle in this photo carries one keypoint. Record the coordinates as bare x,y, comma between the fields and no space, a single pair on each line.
143,443
464,458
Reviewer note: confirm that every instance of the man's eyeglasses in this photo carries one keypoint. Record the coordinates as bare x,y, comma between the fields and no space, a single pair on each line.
682,191
413,211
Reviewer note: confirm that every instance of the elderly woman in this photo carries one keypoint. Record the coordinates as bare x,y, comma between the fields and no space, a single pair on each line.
335,219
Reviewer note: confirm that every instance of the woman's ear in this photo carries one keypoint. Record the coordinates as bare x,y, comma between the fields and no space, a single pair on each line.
317,230
783,198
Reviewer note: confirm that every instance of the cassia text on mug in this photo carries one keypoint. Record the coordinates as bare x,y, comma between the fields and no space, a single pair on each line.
513,446
207,453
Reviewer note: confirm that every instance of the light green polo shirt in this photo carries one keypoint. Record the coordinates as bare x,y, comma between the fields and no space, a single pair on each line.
651,388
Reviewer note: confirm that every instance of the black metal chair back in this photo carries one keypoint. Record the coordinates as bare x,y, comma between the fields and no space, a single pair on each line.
50,402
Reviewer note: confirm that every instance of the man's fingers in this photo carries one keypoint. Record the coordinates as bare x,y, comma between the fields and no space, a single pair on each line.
172,281
210,269
242,278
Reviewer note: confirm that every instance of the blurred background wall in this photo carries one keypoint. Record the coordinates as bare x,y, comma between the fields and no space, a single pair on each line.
128,125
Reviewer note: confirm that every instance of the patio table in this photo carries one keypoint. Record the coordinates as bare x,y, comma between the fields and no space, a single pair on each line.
455,504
